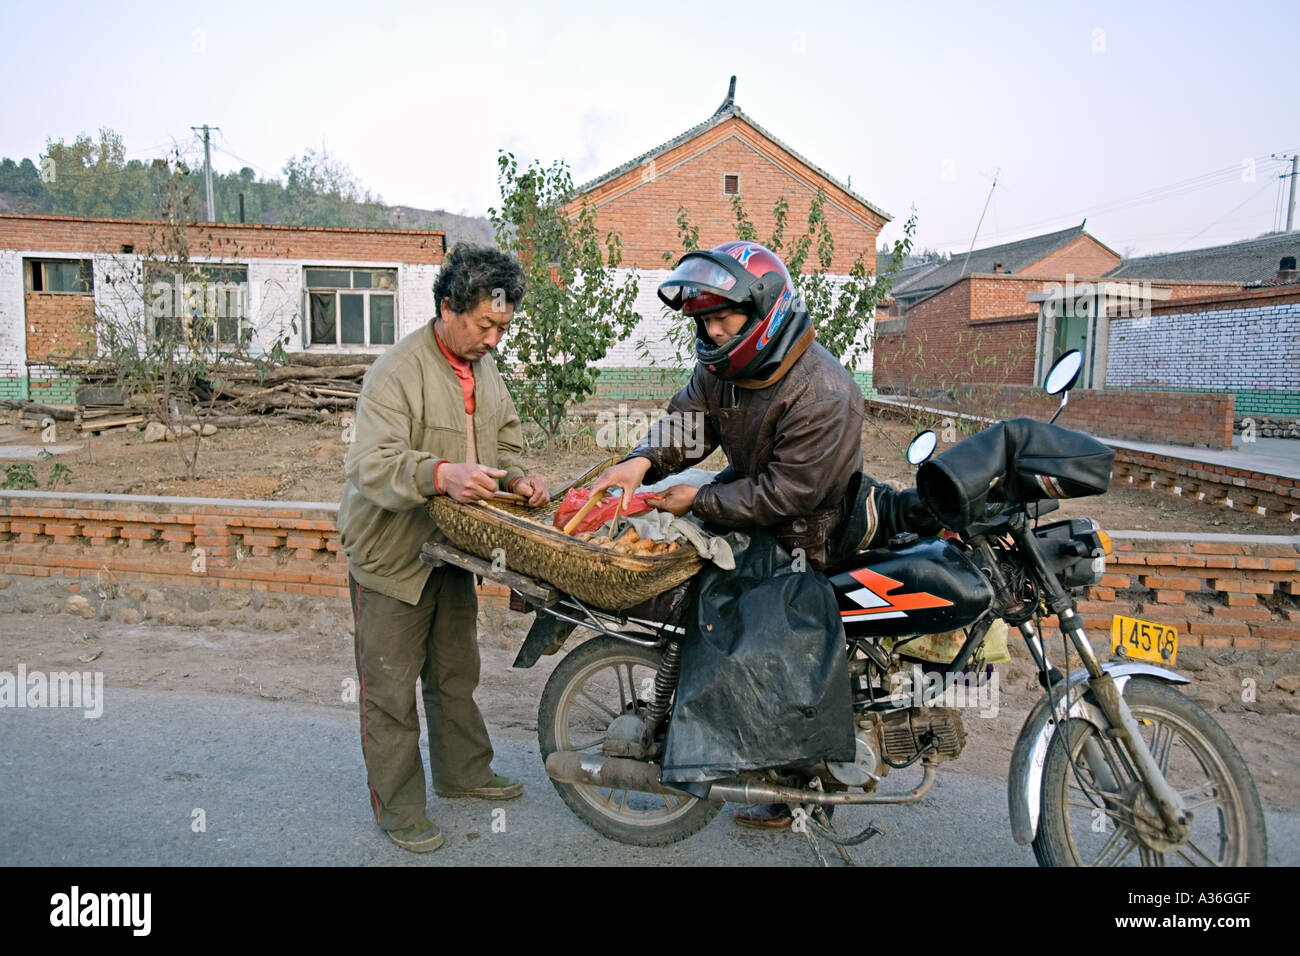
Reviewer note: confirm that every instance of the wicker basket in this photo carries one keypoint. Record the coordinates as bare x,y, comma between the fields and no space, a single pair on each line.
596,575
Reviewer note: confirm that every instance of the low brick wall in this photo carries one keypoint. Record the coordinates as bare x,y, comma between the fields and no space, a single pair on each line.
1178,418
1265,494
275,546
1218,590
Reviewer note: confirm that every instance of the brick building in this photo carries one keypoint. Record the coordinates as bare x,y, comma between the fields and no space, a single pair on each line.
328,290
702,170
1003,313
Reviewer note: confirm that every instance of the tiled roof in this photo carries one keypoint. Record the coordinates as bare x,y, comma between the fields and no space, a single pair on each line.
1014,256
1253,260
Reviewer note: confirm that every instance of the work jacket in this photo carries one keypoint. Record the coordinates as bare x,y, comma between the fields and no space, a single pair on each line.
410,416
791,449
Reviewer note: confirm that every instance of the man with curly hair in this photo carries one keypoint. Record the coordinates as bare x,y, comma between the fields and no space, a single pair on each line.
433,418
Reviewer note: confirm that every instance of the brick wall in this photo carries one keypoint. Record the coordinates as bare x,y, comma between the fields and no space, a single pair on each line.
1183,418
13,336
1265,494
1252,352
57,324
642,203
250,545
222,240
1217,590
949,338
1084,256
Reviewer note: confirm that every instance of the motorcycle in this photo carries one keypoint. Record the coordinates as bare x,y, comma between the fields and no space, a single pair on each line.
1113,766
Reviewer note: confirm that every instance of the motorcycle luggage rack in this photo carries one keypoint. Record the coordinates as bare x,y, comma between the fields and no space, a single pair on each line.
545,598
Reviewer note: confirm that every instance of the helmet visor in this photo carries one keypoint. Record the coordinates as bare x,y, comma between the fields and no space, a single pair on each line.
698,274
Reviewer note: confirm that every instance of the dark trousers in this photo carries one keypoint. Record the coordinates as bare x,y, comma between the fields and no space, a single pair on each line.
435,641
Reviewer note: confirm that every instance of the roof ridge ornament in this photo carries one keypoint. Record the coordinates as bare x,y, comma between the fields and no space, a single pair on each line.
730,101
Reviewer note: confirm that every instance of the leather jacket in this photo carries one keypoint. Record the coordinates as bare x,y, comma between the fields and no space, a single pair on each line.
791,447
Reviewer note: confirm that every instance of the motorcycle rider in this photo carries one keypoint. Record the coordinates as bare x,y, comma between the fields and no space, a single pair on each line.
785,411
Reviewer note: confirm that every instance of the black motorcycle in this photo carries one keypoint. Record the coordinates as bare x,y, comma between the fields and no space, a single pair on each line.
1114,766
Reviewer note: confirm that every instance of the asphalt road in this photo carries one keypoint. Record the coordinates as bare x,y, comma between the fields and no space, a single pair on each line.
281,783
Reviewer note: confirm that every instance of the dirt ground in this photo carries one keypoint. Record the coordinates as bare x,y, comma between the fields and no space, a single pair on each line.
299,648
304,462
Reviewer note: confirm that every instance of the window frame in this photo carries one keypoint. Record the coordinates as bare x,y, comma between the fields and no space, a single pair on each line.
32,263
367,293
245,328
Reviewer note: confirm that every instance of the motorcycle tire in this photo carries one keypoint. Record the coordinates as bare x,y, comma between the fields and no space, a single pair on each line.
598,681
1077,827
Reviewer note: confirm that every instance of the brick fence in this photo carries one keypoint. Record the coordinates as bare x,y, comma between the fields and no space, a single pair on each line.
275,546
1218,590
1179,418
1238,488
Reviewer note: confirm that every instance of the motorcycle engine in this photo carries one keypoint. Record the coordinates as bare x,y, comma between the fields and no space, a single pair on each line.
898,736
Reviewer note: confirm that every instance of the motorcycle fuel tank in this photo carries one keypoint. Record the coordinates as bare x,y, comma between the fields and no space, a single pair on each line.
925,588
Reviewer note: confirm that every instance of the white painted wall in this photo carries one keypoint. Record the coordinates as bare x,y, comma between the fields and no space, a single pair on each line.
414,297
13,337
275,301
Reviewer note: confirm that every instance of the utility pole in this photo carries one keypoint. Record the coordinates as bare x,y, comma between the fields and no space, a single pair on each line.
207,164
1290,210
996,173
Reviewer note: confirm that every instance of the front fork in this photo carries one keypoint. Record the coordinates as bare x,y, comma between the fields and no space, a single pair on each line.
1110,701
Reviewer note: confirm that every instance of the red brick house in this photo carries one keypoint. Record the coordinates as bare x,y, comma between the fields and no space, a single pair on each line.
346,290
702,169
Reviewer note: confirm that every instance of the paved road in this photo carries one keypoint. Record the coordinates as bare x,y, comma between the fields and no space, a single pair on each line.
282,783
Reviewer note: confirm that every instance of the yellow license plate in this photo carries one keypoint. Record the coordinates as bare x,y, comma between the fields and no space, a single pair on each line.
1134,639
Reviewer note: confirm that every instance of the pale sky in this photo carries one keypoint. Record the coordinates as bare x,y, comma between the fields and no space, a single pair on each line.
1156,121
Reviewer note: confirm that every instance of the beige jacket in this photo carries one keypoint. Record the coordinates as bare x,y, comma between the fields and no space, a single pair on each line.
410,416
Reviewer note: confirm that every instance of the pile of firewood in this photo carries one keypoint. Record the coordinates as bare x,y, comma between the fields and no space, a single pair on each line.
311,388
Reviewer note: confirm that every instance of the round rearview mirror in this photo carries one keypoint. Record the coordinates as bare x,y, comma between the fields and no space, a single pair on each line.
922,447
1064,373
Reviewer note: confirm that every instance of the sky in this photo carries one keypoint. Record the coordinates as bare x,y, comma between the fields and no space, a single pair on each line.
1156,121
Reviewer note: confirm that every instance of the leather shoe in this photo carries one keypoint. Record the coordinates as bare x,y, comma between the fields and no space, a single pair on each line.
768,816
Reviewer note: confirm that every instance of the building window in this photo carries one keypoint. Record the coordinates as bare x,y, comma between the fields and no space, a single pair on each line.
73,276
731,184
352,306
207,303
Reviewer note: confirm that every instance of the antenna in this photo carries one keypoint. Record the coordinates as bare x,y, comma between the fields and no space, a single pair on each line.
996,172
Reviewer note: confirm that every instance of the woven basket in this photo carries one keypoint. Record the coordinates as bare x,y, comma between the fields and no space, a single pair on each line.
596,575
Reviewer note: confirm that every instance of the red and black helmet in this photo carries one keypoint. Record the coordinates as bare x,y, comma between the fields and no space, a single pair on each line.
738,275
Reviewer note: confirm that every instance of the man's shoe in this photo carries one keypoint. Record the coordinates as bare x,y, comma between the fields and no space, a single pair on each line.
498,788
768,816
421,837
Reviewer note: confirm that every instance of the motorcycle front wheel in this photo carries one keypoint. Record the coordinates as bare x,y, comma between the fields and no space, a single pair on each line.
1087,821
597,682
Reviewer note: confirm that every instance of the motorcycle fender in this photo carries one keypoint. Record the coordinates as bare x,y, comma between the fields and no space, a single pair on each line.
546,636
1025,781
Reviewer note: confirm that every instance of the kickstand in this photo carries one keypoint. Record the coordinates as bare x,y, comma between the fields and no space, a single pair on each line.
819,814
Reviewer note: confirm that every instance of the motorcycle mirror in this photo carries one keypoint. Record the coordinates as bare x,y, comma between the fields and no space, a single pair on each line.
922,447
1064,373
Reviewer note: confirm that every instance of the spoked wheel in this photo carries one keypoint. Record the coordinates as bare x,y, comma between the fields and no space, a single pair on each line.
1104,817
596,683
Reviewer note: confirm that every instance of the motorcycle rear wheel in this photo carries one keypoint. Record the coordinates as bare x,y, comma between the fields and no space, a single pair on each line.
1080,826
598,681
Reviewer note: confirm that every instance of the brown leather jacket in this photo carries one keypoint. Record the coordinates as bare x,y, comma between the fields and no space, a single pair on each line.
791,448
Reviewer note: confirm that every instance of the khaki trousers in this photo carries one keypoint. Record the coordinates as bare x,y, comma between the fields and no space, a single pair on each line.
435,641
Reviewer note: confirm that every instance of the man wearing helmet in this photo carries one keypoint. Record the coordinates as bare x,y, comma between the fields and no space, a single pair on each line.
787,414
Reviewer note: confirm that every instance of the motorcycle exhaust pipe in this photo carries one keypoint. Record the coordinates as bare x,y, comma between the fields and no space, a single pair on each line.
618,773
743,791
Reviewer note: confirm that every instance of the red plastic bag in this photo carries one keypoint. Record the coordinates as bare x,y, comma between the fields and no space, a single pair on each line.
597,516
